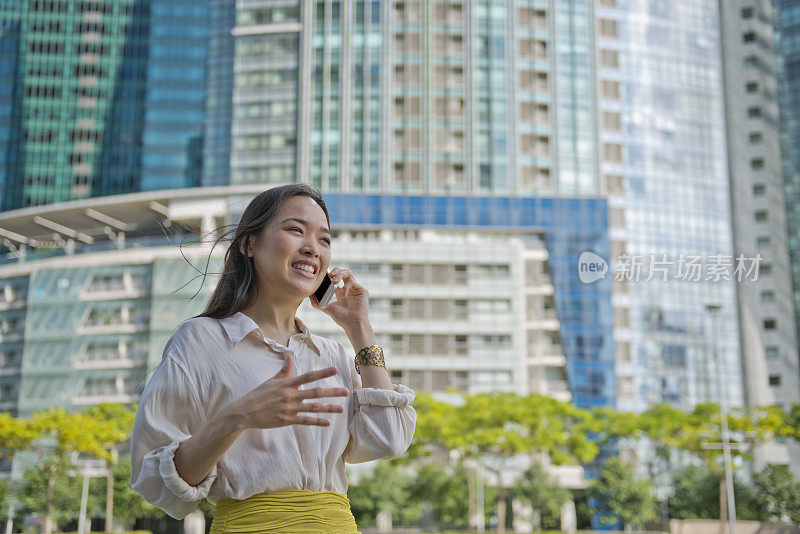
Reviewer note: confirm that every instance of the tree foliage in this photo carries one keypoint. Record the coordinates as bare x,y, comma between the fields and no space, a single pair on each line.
385,488
537,489
778,494
129,505
695,495
444,490
617,495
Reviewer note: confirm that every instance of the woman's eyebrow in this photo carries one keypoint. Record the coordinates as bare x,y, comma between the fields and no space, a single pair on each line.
305,223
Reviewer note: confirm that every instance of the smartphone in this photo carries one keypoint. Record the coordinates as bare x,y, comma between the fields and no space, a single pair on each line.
325,291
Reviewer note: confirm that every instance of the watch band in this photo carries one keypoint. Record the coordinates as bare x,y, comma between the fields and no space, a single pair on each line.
372,355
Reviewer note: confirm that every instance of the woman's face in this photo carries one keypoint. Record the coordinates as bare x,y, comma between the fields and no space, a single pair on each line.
295,241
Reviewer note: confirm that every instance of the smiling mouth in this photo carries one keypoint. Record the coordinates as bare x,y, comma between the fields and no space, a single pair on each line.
305,273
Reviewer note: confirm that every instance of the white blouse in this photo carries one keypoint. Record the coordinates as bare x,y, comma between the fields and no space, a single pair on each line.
210,362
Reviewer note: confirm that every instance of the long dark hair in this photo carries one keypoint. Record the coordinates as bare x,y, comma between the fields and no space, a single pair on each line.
236,289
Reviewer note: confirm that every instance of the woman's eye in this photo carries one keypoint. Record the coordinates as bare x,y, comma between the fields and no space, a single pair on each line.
326,240
296,228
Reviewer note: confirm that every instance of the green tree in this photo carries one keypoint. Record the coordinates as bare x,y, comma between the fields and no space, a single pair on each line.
494,427
617,495
385,488
15,435
61,433
696,496
114,424
536,488
778,494
54,487
128,504
444,490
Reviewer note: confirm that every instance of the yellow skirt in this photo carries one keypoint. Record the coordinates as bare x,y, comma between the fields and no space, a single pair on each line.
287,512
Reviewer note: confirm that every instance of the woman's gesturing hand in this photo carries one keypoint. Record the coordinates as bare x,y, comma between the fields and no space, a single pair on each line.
278,401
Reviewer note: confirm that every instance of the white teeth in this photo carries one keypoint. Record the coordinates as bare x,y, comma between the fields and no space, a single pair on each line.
302,267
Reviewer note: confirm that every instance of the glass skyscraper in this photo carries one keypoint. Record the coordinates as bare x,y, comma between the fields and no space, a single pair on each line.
664,166
98,98
787,45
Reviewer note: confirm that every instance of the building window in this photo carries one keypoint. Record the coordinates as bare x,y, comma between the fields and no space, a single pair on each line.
751,61
612,121
749,37
612,152
770,324
768,296
774,380
625,387
754,112
762,242
756,138
772,353
757,163
765,269
759,190
747,12
751,87
609,90
608,28
609,58
761,216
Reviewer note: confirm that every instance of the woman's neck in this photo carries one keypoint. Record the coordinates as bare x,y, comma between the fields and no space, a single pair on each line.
276,321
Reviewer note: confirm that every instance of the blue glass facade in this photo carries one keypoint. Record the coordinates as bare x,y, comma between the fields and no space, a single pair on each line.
9,113
219,94
175,94
571,226
787,43
100,98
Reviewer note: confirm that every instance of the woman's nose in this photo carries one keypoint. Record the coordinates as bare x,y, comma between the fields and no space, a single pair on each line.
310,247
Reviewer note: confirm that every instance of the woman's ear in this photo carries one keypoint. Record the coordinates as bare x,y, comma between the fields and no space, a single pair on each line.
246,246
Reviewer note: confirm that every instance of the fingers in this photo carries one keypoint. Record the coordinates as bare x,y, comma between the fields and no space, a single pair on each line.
300,420
312,375
314,408
311,407
340,273
320,393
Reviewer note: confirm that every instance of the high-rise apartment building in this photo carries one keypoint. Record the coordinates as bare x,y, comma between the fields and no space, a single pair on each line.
437,98
420,96
766,307
100,97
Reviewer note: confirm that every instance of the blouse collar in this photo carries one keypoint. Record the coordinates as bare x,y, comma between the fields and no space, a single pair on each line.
238,325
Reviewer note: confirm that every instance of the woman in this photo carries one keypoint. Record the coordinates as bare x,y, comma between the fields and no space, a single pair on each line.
221,418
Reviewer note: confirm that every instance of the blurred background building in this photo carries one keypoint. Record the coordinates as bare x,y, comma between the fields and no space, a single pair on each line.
767,323
469,151
100,98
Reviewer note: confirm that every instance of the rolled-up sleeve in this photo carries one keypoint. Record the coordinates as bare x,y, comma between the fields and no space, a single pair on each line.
381,421
169,411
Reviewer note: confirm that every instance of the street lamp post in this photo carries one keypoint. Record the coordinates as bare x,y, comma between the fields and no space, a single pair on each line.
714,310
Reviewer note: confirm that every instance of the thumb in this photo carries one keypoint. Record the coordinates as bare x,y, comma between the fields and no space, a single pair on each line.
286,370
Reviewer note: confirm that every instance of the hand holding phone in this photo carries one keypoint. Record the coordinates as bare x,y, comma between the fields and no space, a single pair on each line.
326,291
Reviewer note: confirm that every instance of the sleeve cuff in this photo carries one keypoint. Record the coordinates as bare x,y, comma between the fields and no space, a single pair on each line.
174,482
400,396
